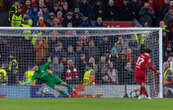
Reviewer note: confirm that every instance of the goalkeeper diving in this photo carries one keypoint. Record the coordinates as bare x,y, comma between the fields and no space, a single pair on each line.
49,79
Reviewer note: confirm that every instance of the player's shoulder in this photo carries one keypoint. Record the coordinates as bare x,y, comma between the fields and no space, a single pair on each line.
142,55
145,55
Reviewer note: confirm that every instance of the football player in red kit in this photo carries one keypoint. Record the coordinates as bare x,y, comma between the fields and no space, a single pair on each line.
143,60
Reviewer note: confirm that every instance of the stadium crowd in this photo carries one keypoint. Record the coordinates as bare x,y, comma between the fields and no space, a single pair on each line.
106,60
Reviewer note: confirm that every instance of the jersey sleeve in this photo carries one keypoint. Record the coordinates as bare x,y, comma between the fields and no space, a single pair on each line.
149,65
32,79
45,65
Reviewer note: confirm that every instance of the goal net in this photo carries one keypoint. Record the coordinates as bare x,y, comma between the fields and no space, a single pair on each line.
97,62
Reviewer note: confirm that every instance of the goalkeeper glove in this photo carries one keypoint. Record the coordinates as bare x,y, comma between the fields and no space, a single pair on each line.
21,82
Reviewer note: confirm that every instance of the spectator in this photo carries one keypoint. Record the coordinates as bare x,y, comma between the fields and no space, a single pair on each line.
26,16
129,75
41,22
105,46
111,12
86,10
77,20
69,39
168,14
60,16
91,50
120,45
129,55
165,45
136,6
65,8
33,13
55,8
34,2
110,74
71,54
164,9
45,11
121,63
101,66
163,26
77,10
3,75
170,27
58,51
60,5
53,41
57,22
27,6
89,76
13,10
133,44
41,49
125,11
71,76
57,67
12,70
170,21
98,10
28,75
3,51
93,64
17,18
167,75
82,64
146,15
26,32
99,23
68,19
79,50
112,56
27,54
51,18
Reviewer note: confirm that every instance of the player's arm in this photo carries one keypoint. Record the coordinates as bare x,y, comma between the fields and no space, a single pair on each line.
46,64
30,81
150,67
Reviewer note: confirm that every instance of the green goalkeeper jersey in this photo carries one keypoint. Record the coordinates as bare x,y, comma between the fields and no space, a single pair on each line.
43,75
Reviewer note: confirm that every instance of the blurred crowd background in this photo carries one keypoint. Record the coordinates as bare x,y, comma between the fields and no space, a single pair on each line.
107,59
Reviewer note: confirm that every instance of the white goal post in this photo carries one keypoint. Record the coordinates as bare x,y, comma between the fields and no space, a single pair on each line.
92,44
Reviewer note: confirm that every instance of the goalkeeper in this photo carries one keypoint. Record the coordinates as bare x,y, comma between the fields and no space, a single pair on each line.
50,79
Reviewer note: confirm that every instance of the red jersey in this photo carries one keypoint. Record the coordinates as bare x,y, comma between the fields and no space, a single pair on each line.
142,61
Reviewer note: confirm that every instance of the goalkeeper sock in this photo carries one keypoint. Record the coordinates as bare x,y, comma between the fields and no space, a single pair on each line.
63,92
69,86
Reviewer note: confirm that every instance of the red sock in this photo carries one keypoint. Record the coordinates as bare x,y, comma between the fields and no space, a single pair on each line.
140,91
145,91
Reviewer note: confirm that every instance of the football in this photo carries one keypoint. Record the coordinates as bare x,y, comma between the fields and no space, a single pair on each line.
44,90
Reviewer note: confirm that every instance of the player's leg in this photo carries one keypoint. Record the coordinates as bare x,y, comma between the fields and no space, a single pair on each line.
143,90
62,91
70,87
53,84
59,81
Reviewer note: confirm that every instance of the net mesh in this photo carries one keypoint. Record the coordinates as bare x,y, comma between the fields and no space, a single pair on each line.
96,62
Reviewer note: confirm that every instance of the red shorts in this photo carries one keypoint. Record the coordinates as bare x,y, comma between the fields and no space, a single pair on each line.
140,76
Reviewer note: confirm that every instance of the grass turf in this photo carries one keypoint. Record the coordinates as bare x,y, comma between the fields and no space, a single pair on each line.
85,104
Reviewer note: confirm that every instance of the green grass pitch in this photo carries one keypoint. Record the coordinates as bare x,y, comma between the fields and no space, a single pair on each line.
85,104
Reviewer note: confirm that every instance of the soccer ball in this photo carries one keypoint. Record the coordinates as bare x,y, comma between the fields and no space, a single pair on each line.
44,91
